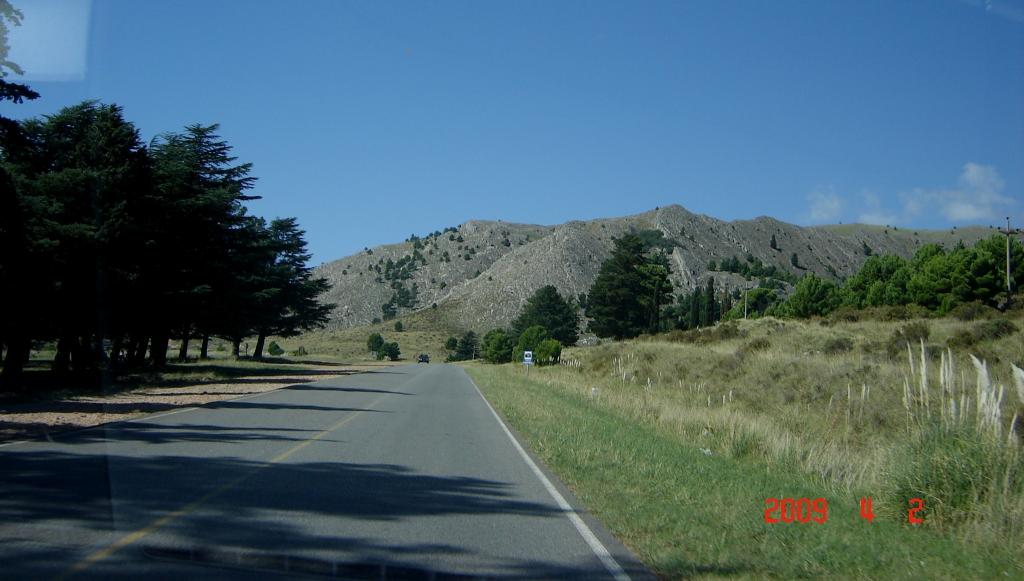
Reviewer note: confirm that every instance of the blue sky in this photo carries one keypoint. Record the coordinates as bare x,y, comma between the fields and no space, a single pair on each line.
370,121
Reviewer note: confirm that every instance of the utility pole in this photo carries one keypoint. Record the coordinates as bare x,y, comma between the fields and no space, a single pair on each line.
1009,285
744,302
1009,274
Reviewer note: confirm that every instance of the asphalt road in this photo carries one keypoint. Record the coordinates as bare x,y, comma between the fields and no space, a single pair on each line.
400,473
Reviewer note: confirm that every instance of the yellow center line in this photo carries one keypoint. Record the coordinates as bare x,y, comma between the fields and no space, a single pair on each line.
152,527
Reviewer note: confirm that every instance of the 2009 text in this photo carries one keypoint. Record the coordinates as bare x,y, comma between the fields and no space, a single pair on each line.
805,510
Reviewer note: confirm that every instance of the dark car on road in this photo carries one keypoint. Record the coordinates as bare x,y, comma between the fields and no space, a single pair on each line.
423,358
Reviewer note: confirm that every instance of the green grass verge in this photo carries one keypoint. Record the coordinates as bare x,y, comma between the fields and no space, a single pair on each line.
686,514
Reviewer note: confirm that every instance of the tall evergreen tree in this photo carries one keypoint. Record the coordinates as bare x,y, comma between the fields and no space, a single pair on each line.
630,290
696,307
707,315
77,176
467,347
208,247
656,288
290,306
548,309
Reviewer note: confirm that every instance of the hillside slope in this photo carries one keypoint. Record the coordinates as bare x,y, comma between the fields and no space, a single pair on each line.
481,273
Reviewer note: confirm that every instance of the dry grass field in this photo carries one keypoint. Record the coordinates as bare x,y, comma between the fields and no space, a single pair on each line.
763,408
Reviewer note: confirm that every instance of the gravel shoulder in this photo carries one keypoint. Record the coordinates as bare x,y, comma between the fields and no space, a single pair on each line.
65,410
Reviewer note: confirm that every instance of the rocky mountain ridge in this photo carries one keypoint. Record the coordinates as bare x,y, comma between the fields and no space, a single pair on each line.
482,272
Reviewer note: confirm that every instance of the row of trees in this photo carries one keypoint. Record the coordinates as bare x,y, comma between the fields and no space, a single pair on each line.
548,321
632,293
380,348
112,247
463,348
700,308
934,278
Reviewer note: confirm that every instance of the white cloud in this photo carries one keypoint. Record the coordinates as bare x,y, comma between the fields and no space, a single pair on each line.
978,197
998,8
977,177
825,206
873,212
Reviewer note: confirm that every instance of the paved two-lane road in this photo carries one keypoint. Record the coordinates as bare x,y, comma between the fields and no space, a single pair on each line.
402,473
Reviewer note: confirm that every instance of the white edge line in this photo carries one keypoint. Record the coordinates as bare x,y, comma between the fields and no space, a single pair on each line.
588,535
14,443
146,418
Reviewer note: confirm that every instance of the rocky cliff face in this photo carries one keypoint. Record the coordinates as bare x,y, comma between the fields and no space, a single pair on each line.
484,271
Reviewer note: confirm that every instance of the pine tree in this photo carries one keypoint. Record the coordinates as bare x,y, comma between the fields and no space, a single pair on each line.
630,290
548,309
289,302
696,308
206,247
707,316
374,342
467,347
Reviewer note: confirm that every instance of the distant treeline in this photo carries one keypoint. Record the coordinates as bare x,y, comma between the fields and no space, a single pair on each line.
935,279
112,247
632,294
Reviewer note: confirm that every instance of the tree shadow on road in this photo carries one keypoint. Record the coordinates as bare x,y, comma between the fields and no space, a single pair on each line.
230,504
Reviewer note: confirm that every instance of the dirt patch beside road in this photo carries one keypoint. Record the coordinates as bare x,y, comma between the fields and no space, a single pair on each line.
64,411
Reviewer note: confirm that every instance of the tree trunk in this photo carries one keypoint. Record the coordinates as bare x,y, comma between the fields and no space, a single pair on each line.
183,350
81,354
258,352
204,351
158,351
137,354
116,344
18,349
62,360
234,347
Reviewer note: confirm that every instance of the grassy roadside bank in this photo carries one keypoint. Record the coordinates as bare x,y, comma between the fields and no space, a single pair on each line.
686,513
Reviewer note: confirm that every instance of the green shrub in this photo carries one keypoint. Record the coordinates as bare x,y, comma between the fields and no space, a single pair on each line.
896,313
374,342
497,346
530,340
752,346
548,352
956,473
391,351
837,345
706,336
988,330
973,311
912,333
994,329
275,349
846,315
726,331
962,339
